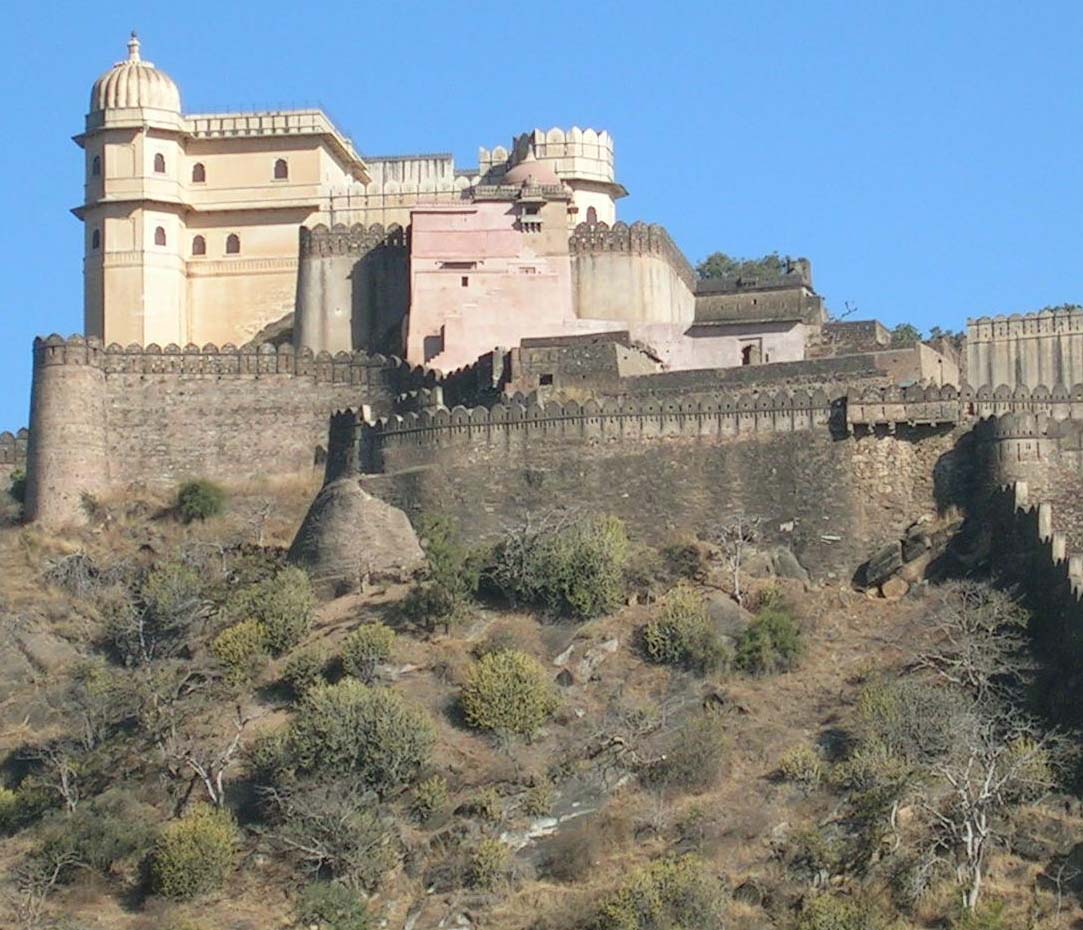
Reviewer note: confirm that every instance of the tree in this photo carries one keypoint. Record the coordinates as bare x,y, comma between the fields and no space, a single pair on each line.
721,265
735,537
444,595
905,335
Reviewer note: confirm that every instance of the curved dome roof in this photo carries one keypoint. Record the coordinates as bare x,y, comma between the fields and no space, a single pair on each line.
537,172
134,83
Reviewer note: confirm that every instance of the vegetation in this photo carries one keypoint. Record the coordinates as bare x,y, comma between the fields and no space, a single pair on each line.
369,736
830,912
683,635
508,693
673,893
304,670
195,854
695,757
17,488
332,906
905,335
572,567
241,648
772,643
802,765
430,797
488,866
199,500
721,265
282,605
365,648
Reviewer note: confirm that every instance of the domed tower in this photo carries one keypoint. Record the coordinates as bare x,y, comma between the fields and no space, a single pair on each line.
133,210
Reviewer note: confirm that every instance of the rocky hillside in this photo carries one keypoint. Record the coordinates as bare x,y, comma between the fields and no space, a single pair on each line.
569,731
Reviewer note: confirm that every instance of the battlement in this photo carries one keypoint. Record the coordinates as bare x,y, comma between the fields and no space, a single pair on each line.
915,405
602,421
637,239
321,240
1043,323
580,154
13,449
359,368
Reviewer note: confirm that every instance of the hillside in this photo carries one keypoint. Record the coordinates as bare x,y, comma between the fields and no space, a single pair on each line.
783,764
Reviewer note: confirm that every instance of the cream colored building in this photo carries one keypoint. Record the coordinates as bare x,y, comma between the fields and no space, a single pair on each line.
191,221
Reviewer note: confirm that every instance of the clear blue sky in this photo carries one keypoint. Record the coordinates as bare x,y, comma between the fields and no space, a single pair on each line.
925,156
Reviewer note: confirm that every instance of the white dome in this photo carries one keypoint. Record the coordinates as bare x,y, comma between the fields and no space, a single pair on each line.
134,83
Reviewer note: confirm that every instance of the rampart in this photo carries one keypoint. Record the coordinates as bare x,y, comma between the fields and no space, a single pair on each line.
12,455
353,288
108,417
631,274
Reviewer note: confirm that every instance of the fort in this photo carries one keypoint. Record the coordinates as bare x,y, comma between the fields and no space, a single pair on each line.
263,301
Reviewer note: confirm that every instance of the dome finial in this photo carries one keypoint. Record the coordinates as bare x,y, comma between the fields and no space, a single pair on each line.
133,47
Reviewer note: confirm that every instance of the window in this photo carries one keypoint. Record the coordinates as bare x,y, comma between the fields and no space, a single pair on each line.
96,239
464,281
545,379
159,236
233,244
592,215
746,355
199,173
159,163
199,246
282,170
96,166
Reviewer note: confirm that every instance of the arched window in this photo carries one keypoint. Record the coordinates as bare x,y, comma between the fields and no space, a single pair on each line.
96,239
282,170
96,166
592,215
199,246
233,244
159,163
199,173
159,236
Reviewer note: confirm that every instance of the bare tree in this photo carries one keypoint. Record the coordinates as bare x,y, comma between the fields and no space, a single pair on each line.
735,537
210,759
58,769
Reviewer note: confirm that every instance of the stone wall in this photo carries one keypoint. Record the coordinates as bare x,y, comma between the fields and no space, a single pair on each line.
12,455
668,468
108,418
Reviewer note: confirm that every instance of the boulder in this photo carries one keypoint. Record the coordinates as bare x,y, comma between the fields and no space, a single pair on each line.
894,588
348,535
883,564
786,565
729,617
916,542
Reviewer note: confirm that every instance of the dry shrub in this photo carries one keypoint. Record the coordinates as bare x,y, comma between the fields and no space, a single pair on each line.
575,851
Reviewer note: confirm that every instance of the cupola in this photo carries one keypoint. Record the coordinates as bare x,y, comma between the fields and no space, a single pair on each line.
134,84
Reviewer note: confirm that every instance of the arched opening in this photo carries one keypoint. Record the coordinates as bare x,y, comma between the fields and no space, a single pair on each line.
592,215
199,173
282,170
159,163
750,354
96,239
233,244
159,236
199,246
96,166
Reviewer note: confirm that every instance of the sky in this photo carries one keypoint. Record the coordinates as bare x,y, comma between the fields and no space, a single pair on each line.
925,156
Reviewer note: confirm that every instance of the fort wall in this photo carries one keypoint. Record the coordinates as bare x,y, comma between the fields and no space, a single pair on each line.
1026,350
12,455
108,418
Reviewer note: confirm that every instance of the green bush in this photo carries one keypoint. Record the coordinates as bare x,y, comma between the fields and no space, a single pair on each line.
508,692
199,500
990,916
304,670
682,634
283,603
575,570
171,604
9,810
772,643
444,595
867,767
802,765
829,912
365,648
242,649
915,721
695,758
331,906
195,855
488,864
370,735
539,800
17,488
485,805
677,894
430,797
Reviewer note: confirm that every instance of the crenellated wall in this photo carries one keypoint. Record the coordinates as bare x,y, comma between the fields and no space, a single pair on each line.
12,455
1026,349
105,418
630,274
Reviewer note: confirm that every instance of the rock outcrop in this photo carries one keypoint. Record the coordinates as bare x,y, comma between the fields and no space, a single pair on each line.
349,535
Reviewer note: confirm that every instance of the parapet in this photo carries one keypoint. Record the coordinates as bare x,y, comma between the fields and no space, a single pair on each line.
13,449
226,361
579,154
637,239
914,405
322,241
1042,323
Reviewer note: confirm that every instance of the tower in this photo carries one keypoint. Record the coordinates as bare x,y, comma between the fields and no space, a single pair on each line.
133,211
